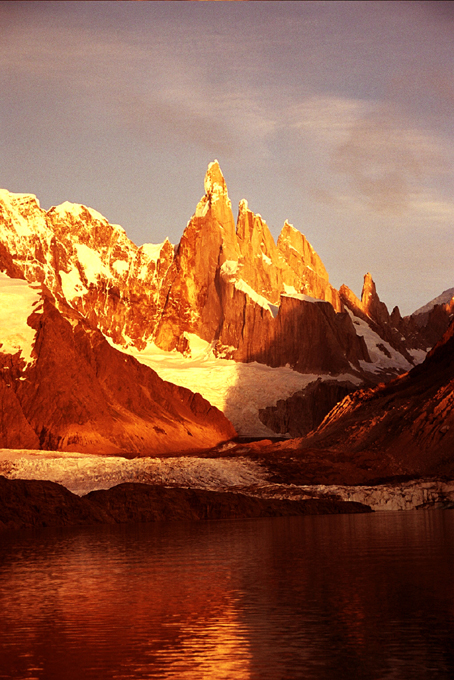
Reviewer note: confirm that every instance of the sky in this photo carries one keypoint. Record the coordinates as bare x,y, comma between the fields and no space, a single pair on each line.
335,116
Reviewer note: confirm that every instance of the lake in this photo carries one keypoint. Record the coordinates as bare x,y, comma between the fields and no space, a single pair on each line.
327,597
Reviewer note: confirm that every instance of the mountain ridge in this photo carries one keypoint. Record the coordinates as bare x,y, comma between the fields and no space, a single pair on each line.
227,284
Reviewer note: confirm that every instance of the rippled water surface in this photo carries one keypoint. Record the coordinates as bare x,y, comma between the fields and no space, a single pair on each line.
353,596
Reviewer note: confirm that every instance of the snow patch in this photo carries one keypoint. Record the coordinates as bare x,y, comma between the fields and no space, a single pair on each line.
258,299
266,259
75,210
418,355
380,360
120,266
290,290
239,390
229,270
17,301
91,262
199,348
303,297
71,284
153,251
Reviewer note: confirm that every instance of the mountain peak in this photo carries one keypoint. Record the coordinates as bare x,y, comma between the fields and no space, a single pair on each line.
214,180
369,290
371,303
76,211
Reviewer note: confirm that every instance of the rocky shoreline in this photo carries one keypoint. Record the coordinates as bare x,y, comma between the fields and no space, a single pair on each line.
29,503
50,488
415,494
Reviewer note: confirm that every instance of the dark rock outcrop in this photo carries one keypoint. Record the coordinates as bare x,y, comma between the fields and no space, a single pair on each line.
31,503
305,410
309,336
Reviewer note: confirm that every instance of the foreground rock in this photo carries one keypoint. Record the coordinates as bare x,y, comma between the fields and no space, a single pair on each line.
31,503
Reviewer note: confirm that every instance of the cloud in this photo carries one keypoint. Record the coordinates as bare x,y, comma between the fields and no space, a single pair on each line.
374,152
142,84
326,119
386,161
431,209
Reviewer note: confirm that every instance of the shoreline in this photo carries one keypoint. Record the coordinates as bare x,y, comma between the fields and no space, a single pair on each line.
237,474
28,504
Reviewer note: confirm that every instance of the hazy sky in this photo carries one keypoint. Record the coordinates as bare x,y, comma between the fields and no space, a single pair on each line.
336,116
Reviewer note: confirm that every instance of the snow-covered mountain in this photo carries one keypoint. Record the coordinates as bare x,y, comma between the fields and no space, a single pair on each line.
230,313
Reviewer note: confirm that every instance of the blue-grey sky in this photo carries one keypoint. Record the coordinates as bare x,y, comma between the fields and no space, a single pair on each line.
337,116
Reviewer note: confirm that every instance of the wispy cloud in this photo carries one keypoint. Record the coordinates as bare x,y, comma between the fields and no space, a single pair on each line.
386,161
373,147
327,119
144,85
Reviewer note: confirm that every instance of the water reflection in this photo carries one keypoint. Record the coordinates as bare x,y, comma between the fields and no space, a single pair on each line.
314,597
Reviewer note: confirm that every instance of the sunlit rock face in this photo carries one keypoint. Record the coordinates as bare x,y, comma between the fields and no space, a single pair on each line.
227,282
77,393
193,303
87,262
310,275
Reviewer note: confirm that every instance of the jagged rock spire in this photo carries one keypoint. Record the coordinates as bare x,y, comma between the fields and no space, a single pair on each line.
214,180
371,303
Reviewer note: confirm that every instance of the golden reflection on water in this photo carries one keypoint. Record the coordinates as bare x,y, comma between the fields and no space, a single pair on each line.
217,649
315,598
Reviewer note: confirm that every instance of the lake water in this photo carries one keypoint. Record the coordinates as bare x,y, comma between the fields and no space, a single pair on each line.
331,597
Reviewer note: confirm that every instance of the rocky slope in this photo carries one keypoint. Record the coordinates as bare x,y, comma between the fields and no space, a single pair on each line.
402,429
77,393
